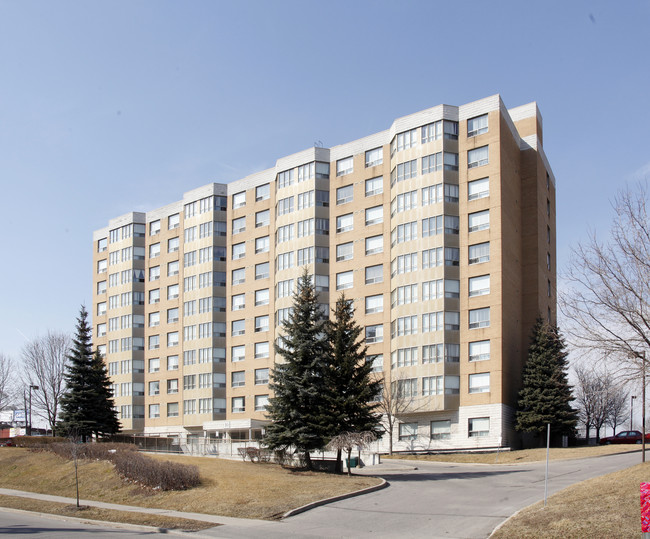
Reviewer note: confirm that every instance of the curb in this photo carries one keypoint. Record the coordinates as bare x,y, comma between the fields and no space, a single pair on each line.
325,501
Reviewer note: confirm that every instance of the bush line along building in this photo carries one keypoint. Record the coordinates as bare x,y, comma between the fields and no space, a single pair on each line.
441,228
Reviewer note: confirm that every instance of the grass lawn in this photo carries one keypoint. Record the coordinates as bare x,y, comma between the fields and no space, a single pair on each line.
604,507
524,455
229,488
107,515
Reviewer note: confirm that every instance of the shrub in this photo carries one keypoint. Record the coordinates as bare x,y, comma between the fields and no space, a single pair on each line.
155,474
131,465
32,441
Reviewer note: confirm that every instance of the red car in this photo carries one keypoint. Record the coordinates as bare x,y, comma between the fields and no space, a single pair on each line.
625,437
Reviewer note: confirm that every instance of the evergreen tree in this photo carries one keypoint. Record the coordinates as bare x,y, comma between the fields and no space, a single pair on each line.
87,406
546,393
298,407
351,390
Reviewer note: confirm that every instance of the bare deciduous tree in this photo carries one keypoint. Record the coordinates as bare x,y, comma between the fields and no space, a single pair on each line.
599,398
398,399
349,440
607,298
44,362
6,381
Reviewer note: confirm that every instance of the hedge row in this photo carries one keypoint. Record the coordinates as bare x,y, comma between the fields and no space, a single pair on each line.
133,466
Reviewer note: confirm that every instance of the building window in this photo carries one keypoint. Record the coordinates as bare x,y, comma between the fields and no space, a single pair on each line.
374,157
404,357
548,261
408,431
374,274
441,430
479,220
404,232
432,385
261,350
262,218
189,407
479,350
173,221
344,280
374,215
478,189
261,376
344,194
261,323
404,264
451,130
479,286
374,186
238,225
404,295
374,304
407,387
238,276
261,402
374,334
377,361
479,318
404,141
238,379
172,409
237,353
344,223
305,200
431,163
374,245
478,426
262,297
450,161
306,172
154,411
479,383
479,252
432,131
172,386
344,166
262,192
305,256
239,200
238,250
238,405
405,171
477,125
238,327
478,157
284,206
285,179
262,270
284,234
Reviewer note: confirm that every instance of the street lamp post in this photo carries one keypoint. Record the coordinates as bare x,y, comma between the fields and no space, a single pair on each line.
631,412
29,430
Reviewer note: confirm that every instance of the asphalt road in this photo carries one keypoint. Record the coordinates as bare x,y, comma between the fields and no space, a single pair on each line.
436,500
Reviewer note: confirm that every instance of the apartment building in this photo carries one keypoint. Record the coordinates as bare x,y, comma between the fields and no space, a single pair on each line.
441,229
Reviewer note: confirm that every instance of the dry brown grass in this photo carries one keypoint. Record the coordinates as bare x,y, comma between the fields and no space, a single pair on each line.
605,507
229,488
107,515
524,455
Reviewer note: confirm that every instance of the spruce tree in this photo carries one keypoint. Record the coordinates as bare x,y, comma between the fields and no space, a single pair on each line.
351,390
87,406
546,394
298,407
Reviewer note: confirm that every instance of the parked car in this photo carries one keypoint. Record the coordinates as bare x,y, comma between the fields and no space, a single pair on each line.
8,443
625,437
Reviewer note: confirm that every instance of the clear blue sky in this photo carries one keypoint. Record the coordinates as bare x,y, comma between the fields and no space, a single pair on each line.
111,107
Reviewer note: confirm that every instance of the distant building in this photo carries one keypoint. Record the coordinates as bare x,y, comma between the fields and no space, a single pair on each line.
441,228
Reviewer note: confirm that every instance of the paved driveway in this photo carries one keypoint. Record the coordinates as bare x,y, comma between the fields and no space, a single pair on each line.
437,500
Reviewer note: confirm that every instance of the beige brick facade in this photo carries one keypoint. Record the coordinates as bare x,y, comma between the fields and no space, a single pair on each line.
441,229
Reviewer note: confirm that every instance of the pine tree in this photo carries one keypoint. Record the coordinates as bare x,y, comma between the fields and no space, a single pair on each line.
351,390
546,394
297,409
87,406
